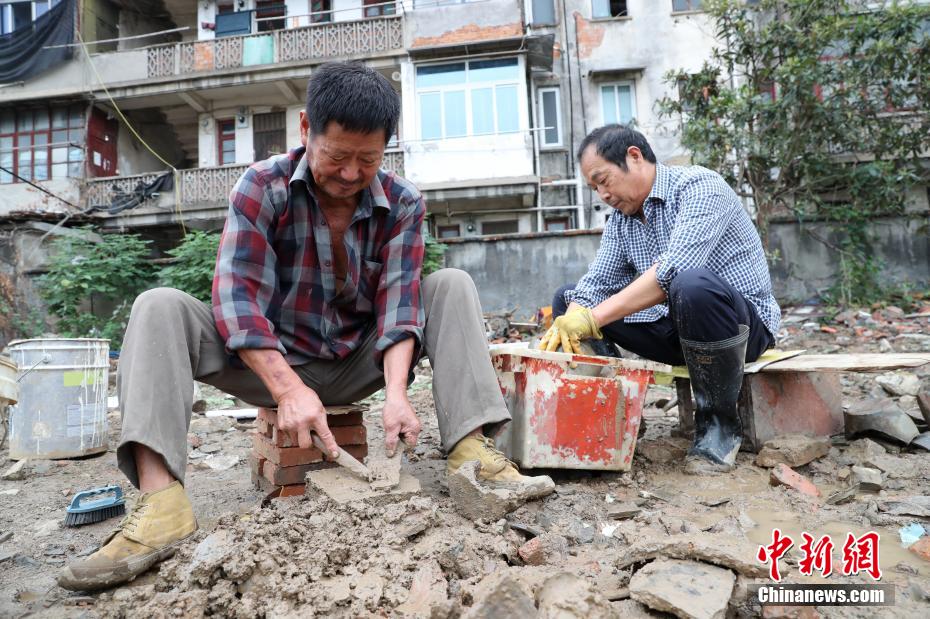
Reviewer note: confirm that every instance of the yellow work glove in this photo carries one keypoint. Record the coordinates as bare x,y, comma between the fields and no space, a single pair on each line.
569,329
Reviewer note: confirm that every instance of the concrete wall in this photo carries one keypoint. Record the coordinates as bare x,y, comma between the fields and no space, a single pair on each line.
521,272
23,197
435,25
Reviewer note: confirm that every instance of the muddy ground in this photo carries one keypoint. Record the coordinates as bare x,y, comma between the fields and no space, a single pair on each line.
416,557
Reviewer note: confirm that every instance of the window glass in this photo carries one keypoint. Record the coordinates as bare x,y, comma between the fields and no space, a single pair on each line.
493,70
543,12
59,137
609,104
550,117
625,99
76,169
600,8
75,153
508,118
59,117
59,170
441,75
454,114
77,115
24,121
482,111
7,124
430,116
76,136
59,155
41,119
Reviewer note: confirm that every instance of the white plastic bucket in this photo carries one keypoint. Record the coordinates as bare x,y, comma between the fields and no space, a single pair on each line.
62,409
9,389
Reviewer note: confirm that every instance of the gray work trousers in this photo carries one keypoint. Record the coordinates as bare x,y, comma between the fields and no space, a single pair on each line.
172,339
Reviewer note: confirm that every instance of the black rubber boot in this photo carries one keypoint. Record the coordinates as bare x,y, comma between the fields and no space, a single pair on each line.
716,370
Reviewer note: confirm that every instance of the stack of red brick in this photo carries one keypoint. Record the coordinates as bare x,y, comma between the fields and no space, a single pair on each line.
277,462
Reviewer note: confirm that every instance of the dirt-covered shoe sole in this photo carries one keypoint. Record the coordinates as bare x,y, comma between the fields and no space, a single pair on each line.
97,578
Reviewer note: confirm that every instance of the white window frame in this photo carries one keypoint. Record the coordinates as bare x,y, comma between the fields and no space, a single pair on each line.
600,94
542,116
519,83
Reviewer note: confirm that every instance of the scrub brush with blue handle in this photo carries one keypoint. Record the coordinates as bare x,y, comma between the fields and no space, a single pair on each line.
95,505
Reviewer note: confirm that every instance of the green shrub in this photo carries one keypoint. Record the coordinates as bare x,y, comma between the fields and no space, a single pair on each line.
434,257
92,282
192,265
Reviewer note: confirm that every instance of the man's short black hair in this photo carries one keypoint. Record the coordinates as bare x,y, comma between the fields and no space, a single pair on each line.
353,95
612,141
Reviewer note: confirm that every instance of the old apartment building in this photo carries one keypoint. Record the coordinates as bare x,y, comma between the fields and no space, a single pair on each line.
496,94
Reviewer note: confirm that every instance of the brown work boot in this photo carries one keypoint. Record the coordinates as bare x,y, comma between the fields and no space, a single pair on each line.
151,533
496,469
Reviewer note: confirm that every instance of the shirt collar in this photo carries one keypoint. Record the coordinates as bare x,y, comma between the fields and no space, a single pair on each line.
661,185
372,196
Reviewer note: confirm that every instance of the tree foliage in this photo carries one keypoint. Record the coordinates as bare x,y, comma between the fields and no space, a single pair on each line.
92,281
816,109
192,265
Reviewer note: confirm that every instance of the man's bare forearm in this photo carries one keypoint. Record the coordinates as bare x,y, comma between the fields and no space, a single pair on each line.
397,361
643,292
272,369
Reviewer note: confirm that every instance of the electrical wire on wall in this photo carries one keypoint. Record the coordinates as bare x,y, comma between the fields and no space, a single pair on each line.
122,117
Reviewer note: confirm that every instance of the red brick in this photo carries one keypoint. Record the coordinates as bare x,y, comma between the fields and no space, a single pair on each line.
344,435
256,466
296,456
267,415
921,548
294,490
345,419
287,475
784,475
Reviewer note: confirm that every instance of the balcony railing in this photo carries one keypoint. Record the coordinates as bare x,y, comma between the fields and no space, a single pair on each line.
198,187
359,38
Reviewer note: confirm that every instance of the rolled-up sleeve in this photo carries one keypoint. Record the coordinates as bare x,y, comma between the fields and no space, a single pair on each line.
397,302
703,217
610,272
245,282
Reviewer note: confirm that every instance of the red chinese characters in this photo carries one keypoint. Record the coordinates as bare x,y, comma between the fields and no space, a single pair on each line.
774,551
861,555
817,556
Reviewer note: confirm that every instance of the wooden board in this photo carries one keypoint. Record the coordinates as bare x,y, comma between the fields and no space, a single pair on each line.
877,362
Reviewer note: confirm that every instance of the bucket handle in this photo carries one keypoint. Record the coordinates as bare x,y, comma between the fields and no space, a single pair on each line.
46,358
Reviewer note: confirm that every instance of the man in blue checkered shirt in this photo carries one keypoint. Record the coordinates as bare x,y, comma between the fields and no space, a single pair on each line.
680,277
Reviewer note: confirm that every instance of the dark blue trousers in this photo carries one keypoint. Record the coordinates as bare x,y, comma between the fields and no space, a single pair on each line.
702,307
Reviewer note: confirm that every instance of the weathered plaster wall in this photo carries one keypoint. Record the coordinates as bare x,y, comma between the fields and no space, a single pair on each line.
23,197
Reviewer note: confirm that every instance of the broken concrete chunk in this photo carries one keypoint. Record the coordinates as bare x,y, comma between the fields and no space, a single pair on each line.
786,476
477,500
922,441
428,595
899,383
723,550
843,495
793,450
860,450
663,450
547,548
906,506
343,486
567,596
622,511
16,472
686,589
500,595
923,403
886,420
869,479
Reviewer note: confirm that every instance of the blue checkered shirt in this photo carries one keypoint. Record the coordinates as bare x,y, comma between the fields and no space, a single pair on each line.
693,220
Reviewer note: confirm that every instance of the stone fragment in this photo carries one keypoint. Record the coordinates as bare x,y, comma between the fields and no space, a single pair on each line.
922,441
687,589
786,476
622,511
475,500
631,609
860,450
772,611
369,587
723,550
209,554
882,417
923,403
843,495
500,595
16,472
921,548
895,467
428,595
663,450
342,486
547,548
793,450
567,596
869,479
221,463
899,383
906,506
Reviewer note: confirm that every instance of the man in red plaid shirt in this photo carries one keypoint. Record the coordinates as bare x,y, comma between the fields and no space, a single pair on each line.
317,300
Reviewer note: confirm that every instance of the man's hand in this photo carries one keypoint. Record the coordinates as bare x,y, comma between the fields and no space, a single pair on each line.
399,420
300,412
569,329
